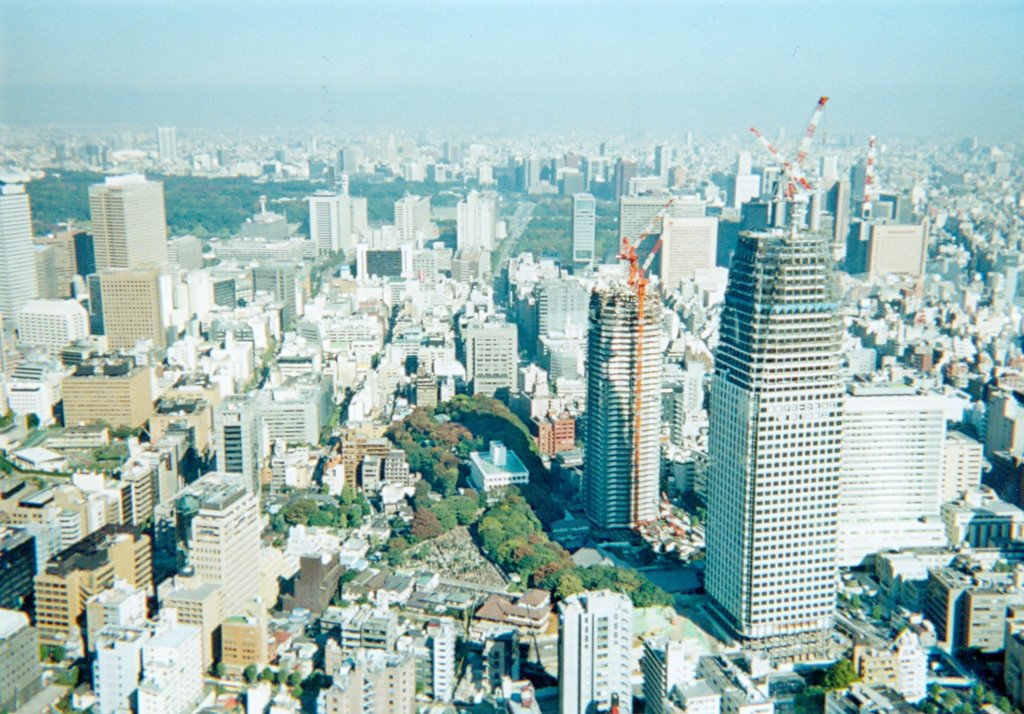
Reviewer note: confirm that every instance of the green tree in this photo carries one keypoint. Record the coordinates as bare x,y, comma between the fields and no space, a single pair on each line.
280,676
267,675
251,674
218,670
294,679
465,508
877,612
445,515
1004,704
840,675
568,585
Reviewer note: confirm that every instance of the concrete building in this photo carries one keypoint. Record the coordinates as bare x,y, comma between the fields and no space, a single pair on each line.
687,245
111,391
17,256
167,144
87,568
667,665
962,462
774,444
412,219
979,519
237,438
441,637
476,221
118,664
243,641
197,603
172,663
65,259
186,252
330,222
52,324
1013,658
875,248
495,469
969,609
297,410
371,682
129,226
132,308
220,517
19,660
892,439
491,354
622,467
17,568
594,653
901,665
584,229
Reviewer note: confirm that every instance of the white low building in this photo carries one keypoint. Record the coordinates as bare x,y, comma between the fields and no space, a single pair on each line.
497,468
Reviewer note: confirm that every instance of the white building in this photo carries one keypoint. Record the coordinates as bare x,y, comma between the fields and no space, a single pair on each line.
331,222
688,245
491,351
17,255
52,324
167,143
476,221
236,427
117,668
595,660
891,471
173,664
443,636
962,462
412,219
667,665
584,228
497,468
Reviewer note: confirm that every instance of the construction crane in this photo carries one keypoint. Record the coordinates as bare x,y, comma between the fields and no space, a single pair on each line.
638,281
869,180
796,183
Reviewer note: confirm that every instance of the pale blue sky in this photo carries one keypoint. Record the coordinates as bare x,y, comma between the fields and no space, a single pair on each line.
932,68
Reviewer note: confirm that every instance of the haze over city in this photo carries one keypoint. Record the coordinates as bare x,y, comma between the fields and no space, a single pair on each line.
913,69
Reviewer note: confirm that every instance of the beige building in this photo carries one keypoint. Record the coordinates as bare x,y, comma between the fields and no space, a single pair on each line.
961,465
114,392
77,573
901,665
688,245
129,225
1013,657
243,641
132,308
372,682
194,413
19,660
197,604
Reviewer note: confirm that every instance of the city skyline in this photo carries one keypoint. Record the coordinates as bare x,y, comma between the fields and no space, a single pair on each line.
490,67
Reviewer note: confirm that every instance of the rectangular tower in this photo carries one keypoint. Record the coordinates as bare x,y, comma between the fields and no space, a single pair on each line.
774,443
594,653
17,256
623,458
584,228
128,222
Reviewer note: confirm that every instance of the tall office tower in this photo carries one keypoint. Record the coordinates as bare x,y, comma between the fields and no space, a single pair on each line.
63,245
622,465
85,254
129,226
877,248
829,170
891,475
349,159
594,653
476,221
283,280
562,306
491,354
236,435
220,519
688,245
624,171
131,306
167,142
45,259
662,162
17,256
330,222
838,204
584,228
412,218
774,443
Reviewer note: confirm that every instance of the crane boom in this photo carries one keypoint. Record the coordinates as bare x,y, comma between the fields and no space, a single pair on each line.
869,178
812,126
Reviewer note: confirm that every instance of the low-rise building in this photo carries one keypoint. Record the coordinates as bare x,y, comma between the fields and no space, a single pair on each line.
497,468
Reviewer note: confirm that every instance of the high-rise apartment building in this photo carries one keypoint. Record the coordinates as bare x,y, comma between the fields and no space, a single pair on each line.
172,662
132,308
476,221
128,222
237,437
17,256
584,228
775,441
962,464
115,674
19,660
623,420
595,660
687,245
167,144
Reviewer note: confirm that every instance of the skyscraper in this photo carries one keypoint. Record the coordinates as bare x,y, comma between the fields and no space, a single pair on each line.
688,245
662,162
584,228
595,653
624,375
330,222
128,222
237,439
412,217
774,443
17,256
476,221
167,142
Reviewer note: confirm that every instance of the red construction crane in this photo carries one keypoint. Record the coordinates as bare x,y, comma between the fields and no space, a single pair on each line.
639,282
869,179
812,126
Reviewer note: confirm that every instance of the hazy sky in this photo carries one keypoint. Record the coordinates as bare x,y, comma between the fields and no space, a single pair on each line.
899,67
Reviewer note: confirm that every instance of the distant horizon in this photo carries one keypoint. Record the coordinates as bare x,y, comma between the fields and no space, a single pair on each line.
912,70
